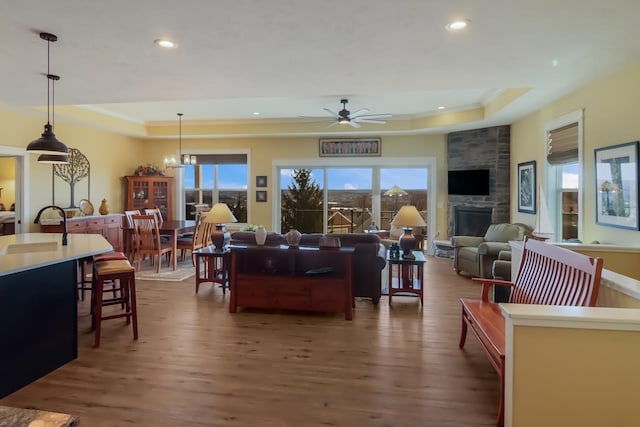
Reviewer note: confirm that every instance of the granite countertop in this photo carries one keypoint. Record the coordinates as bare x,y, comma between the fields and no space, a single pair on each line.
19,417
21,252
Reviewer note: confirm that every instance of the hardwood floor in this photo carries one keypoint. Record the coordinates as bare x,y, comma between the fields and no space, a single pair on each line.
196,364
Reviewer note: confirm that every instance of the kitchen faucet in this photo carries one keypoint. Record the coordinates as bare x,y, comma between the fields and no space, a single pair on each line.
64,221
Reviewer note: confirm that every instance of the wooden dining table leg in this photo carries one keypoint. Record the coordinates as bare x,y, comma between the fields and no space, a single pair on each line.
174,238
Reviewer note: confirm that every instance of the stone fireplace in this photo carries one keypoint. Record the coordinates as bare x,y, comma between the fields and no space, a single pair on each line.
471,221
487,148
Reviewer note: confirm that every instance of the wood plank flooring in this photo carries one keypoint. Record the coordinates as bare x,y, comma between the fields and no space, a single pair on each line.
196,364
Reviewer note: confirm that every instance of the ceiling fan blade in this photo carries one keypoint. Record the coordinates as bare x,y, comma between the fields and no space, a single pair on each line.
331,112
354,124
375,116
360,112
378,122
333,123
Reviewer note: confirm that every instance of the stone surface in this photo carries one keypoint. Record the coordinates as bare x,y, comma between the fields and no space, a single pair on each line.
17,417
487,148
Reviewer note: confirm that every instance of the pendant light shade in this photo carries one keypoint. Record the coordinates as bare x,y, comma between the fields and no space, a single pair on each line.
183,159
54,159
48,143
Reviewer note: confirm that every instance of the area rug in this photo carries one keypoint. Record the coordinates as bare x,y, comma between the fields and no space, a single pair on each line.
184,271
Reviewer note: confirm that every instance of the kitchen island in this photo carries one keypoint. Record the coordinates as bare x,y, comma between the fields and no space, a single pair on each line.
38,318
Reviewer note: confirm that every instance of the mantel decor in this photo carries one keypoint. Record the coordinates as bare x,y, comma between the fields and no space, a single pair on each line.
148,170
527,187
345,147
617,186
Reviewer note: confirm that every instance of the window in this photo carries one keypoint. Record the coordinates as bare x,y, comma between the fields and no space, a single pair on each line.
564,163
217,179
347,199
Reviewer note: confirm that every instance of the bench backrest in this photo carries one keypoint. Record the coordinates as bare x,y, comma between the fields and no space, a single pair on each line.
552,275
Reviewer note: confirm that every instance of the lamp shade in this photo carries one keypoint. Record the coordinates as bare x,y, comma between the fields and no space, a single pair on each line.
54,159
395,191
219,215
47,143
408,216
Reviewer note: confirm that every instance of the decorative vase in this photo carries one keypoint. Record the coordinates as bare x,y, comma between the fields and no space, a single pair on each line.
104,207
261,235
293,238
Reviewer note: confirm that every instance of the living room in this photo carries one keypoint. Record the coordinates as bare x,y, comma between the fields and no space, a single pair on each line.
607,104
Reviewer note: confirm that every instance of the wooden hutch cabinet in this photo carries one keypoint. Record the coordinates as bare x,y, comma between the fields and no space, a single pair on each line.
148,192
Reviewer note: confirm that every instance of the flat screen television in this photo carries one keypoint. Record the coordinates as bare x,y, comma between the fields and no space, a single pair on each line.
473,182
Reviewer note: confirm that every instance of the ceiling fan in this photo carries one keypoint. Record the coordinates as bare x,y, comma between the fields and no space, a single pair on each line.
354,119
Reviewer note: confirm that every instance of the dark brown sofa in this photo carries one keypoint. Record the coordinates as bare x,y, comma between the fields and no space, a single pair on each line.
369,257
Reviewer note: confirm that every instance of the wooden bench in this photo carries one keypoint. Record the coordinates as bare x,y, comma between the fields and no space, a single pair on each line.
547,275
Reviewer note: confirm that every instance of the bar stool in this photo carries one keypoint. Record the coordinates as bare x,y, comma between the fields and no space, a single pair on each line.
82,265
111,270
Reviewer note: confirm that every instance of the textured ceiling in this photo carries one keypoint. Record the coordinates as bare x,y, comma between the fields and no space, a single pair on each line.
292,58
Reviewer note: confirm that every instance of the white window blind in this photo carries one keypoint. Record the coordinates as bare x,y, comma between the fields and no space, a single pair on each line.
562,145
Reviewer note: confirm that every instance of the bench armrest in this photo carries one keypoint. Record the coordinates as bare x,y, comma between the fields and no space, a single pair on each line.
487,283
459,241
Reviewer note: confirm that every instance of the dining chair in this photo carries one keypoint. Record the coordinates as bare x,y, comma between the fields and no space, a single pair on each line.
148,242
130,244
156,212
196,240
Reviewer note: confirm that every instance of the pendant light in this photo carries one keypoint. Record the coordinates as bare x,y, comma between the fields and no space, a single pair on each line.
48,143
182,160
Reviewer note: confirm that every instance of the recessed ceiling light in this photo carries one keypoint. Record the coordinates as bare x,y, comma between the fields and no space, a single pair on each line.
457,25
554,63
165,43
256,113
442,107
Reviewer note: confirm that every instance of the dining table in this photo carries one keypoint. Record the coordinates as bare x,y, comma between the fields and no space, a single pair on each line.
174,229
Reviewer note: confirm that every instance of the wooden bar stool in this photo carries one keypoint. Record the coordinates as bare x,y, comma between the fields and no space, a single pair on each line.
112,270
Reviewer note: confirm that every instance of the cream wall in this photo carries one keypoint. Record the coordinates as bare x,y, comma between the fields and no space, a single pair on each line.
579,377
7,181
610,107
263,151
111,156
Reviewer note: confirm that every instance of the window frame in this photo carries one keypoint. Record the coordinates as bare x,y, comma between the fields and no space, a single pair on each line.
553,181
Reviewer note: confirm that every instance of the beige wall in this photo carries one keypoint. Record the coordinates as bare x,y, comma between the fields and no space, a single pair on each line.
7,181
263,152
610,107
111,157
575,377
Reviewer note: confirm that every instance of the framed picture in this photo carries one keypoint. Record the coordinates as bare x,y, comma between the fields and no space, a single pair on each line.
617,185
343,147
527,187
261,196
261,181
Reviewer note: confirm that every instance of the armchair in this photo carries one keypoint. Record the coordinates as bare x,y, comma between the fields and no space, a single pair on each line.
475,255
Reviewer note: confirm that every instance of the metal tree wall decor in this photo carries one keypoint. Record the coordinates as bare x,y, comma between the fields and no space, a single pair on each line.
73,172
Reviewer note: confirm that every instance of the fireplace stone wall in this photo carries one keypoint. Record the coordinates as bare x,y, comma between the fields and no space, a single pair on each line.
487,148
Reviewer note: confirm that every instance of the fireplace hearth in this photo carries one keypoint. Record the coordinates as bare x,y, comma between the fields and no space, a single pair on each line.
469,221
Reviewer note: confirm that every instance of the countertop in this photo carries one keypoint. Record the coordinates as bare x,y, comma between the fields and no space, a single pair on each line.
18,417
79,246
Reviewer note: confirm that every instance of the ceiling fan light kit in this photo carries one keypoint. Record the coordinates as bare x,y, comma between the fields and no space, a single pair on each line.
354,119
48,144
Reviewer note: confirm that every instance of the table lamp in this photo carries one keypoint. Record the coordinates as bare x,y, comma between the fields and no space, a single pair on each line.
395,192
219,215
408,217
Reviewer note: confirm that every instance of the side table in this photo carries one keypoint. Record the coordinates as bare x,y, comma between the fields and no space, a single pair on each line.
410,275
217,265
